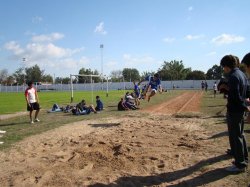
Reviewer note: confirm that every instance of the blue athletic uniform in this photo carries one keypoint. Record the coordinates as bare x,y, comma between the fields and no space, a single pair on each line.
154,83
137,90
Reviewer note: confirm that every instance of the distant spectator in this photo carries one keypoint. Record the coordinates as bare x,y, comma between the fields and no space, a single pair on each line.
215,89
206,86
202,85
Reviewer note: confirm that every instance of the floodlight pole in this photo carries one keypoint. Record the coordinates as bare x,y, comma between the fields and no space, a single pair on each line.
101,47
107,93
71,85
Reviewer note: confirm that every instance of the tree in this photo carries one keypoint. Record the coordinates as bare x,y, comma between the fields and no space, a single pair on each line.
215,72
130,74
146,73
116,75
10,80
174,70
84,71
47,78
66,80
19,76
34,73
196,75
3,75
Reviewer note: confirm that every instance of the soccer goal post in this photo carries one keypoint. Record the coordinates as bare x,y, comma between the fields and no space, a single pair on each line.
91,85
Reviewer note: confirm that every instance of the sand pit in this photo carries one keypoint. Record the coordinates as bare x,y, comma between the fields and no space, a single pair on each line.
136,150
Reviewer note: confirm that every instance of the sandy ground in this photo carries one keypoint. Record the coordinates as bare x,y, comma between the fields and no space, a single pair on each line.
146,148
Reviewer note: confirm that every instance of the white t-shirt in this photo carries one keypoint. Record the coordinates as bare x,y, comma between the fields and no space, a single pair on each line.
215,87
31,94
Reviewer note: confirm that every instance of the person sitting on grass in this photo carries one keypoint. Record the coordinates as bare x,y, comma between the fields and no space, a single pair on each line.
55,108
130,101
82,108
99,104
121,105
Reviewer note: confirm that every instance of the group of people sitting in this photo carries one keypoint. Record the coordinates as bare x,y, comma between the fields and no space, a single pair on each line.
129,102
81,108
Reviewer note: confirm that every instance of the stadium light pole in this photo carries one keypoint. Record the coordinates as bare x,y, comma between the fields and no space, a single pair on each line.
101,47
23,60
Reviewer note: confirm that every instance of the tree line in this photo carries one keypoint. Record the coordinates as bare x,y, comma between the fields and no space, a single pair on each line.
173,70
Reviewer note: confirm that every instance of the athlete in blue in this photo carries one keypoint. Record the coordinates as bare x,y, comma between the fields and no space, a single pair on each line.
153,85
137,92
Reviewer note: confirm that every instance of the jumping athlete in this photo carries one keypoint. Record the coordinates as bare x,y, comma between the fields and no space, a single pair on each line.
153,86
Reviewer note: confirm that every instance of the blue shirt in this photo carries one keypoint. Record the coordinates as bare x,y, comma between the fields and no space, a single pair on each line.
137,90
99,104
154,83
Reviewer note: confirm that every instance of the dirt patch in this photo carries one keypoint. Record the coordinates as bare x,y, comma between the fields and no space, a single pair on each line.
134,150
186,102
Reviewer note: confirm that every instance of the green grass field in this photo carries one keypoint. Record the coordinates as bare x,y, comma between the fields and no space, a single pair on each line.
15,102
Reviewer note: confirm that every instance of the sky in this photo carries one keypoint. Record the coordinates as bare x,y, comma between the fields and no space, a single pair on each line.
63,36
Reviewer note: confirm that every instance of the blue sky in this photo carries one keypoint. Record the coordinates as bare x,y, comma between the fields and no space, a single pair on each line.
62,36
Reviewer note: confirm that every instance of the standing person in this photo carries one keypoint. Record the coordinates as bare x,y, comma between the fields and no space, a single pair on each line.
137,92
32,100
215,89
246,62
153,85
236,107
202,85
206,86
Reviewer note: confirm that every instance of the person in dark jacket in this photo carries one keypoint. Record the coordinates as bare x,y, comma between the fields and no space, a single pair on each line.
99,104
236,107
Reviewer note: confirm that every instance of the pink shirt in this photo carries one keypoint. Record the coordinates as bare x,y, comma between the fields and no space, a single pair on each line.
30,93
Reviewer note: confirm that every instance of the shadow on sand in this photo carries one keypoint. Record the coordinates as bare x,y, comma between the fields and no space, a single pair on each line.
203,179
105,125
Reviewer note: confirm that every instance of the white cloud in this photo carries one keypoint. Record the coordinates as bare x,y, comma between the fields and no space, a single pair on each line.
227,39
194,37
47,38
37,19
100,29
14,47
190,8
45,55
168,40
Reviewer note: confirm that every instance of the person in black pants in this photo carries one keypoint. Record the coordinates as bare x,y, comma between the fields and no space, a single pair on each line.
236,107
